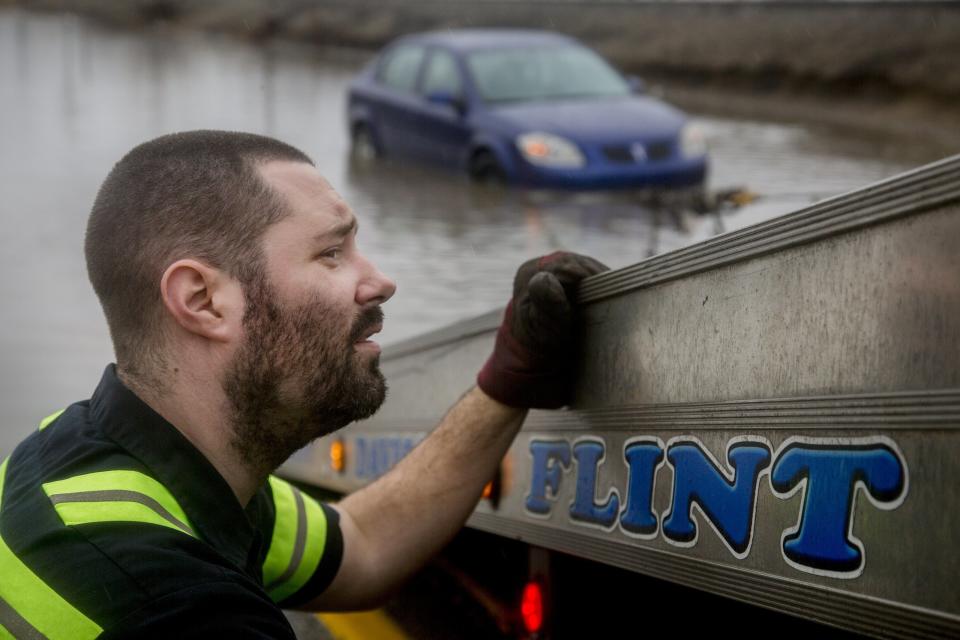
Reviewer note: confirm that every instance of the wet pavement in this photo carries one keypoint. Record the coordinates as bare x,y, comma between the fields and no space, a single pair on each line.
76,96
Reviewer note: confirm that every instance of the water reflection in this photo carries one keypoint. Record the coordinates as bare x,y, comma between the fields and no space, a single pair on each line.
76,96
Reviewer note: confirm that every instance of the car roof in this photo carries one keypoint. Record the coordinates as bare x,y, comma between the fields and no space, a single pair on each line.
467,40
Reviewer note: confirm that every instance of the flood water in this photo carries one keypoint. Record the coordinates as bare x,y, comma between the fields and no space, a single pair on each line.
75,96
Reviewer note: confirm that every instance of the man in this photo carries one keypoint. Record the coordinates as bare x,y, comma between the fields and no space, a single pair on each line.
241,312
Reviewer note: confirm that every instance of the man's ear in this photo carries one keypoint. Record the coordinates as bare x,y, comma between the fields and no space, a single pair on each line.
203,300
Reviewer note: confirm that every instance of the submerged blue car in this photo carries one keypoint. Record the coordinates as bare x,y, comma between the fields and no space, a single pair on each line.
532,108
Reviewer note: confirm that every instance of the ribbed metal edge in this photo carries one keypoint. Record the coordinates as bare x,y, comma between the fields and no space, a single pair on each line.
912,410
874,616
904,410
906,194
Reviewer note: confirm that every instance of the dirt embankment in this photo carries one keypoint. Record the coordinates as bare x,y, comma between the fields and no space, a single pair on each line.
879,65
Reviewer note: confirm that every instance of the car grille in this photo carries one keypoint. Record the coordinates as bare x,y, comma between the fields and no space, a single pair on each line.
622,154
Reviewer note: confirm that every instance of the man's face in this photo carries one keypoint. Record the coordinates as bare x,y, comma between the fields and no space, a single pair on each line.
306,366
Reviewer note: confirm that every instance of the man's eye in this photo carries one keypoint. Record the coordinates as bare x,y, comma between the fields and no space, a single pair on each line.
332,254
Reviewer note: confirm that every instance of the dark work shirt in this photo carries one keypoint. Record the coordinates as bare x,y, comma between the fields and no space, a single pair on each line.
189,565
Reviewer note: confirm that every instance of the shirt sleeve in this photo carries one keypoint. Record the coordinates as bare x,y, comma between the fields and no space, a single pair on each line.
304,548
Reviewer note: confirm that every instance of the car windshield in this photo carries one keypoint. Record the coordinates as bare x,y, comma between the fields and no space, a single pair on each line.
514,75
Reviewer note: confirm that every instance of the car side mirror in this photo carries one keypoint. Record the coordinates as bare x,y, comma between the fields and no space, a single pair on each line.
446,98
637,85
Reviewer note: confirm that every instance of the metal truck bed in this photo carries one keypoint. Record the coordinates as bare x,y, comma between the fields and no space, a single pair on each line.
771,415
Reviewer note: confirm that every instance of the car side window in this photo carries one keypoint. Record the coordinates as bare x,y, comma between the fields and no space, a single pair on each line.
399,70
442,75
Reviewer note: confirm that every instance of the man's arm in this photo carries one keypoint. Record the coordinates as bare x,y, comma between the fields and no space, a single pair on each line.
394,525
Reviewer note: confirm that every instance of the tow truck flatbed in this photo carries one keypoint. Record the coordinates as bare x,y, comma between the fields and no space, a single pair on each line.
772,415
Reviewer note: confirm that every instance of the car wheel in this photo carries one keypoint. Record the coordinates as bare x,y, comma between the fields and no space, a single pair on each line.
362,145
486,170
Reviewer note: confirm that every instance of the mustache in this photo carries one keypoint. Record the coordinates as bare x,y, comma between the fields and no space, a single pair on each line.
367,319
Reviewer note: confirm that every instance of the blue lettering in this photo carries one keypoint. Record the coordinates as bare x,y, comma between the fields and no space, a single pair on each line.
588,454
549,460
372,458
729,505
376,456
361,445
643,457
393,453
832,473
383,456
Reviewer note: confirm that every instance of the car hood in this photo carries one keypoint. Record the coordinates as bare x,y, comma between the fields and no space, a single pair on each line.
604,120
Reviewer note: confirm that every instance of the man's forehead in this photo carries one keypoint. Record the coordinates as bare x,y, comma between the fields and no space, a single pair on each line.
307,191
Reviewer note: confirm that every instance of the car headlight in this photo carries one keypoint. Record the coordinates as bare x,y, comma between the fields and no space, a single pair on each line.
693,142
548,150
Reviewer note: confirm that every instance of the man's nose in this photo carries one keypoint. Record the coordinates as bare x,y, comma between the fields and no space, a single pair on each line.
375,287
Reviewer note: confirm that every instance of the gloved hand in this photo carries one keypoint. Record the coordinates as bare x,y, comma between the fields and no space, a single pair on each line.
532,364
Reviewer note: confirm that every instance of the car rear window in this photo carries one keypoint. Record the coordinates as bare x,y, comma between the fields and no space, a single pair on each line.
399,69
543,73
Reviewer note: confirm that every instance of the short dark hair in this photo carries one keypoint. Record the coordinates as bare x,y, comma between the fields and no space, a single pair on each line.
195,194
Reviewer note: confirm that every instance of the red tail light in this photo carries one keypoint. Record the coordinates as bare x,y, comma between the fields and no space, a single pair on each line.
531,607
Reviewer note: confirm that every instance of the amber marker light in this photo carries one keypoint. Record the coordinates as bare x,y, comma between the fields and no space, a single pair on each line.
493,490
488,490
337,456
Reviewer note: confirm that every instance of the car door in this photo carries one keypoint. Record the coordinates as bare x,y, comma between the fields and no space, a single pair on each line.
396,99
441,123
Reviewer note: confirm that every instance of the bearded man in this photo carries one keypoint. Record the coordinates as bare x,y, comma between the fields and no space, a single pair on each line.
241,312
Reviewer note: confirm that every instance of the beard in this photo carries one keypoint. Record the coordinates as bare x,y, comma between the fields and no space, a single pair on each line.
297,376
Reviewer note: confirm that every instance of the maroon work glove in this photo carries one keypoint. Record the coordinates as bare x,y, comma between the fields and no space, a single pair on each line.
533,360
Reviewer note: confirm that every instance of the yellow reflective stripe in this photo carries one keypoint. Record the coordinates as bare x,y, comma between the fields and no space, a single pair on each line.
15,625
78,513
50,418
299,538
116,496
284,531
34,601
316,535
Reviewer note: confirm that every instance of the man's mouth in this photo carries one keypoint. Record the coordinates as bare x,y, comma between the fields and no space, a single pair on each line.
370,332
369,323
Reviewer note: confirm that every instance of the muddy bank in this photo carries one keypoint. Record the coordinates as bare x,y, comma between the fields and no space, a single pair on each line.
879,65
873,47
